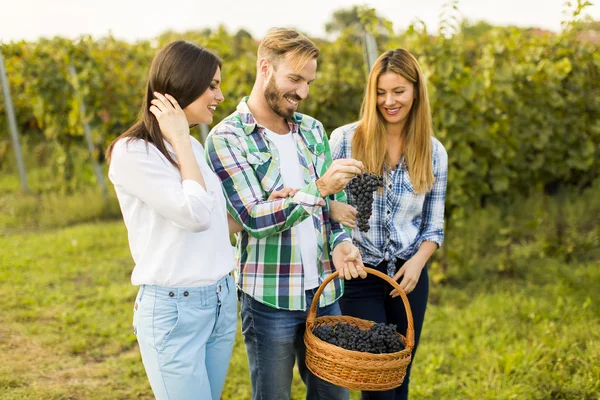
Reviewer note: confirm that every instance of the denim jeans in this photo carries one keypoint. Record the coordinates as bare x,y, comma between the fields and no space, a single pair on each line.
186,337
369,299
274,341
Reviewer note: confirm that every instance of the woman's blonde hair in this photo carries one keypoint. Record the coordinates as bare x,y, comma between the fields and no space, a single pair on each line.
286,44
369,144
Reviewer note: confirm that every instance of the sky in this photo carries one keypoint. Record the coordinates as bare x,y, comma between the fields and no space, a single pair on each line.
133,20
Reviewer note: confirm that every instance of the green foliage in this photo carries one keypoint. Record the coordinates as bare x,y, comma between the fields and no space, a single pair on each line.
526,339
516,109
110,74
50,204
46,210
502,242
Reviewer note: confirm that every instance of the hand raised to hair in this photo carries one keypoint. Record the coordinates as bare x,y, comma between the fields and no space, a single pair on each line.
171,118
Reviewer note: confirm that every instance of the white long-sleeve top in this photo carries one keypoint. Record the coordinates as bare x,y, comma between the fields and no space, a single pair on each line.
178,232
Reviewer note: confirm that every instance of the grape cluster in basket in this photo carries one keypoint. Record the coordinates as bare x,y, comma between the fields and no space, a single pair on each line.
361,190
380,338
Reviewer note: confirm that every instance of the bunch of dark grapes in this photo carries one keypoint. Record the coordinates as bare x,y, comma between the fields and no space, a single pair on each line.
361,189
379,339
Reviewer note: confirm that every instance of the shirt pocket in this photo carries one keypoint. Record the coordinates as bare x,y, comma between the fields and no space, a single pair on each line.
406,184
317,155
406,194
266,170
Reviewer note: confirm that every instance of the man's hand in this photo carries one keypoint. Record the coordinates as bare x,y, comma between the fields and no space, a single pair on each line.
282,194
337,176
347,261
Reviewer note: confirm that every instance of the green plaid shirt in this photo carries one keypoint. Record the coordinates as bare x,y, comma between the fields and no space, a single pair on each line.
268,255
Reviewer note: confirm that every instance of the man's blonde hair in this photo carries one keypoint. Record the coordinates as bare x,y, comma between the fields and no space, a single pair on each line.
286,44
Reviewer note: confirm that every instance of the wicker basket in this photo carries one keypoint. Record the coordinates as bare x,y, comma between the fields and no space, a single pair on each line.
354,369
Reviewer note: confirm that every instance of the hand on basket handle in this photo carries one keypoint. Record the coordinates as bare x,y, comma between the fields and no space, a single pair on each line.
348,261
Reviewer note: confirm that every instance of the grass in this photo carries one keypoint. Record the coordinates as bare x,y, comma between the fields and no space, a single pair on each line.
47,206
65,327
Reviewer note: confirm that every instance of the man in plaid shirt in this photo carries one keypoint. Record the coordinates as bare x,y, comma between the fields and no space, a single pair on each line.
288,246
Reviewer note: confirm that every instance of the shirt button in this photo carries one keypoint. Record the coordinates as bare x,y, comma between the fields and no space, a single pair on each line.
389,212
171,294
186,293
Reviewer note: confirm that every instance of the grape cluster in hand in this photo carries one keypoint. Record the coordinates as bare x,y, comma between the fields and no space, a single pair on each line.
361,189
380,338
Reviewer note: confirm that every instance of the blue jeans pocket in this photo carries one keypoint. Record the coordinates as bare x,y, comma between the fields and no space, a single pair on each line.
247,314
165,320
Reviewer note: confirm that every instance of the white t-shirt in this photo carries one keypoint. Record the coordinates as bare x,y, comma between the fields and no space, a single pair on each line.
304,232
178,232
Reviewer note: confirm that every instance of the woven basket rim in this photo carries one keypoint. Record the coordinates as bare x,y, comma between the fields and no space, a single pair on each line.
356,353
410,331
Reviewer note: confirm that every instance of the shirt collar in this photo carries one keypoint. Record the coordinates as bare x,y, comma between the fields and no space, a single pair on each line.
249,124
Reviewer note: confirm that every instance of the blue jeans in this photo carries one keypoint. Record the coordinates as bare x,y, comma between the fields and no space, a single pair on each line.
186,337
274,341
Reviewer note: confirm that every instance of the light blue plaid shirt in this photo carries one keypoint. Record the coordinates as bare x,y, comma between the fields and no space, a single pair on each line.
402,219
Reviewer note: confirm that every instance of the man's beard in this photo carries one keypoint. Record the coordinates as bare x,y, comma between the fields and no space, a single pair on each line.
274,99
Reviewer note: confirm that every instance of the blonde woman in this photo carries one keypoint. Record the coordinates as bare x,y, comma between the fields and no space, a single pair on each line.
394,138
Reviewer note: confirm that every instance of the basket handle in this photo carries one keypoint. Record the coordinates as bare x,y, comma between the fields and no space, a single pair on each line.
410,332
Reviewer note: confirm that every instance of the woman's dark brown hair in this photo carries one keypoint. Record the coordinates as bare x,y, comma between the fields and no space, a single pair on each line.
181,69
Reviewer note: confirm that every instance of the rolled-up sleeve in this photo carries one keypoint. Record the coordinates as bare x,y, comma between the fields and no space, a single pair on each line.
245,198
432,223
144,173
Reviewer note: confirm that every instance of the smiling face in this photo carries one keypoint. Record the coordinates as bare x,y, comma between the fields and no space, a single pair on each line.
286,88
201,110
395,97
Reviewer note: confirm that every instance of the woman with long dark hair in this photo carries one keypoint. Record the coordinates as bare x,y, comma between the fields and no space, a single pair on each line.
394,138
185,312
